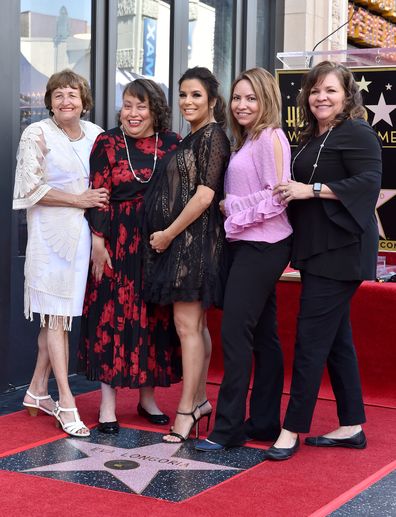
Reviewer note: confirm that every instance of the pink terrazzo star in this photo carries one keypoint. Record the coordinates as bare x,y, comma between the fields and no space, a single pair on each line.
133,467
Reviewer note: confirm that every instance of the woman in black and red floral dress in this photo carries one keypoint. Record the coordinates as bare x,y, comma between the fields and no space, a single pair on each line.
124,341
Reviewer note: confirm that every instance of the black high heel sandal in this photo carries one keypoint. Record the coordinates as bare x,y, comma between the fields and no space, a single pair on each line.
205,415
180,436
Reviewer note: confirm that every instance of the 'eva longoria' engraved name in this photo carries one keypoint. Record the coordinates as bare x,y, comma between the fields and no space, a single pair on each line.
135,456
142,457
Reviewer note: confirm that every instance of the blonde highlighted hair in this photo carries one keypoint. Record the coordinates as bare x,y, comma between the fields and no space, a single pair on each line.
269,100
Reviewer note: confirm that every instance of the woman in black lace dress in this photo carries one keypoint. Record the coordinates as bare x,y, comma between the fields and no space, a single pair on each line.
124,341
187,237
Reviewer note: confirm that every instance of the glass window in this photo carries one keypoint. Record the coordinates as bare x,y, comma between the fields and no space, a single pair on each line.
143,43
55,34
261,43
210,38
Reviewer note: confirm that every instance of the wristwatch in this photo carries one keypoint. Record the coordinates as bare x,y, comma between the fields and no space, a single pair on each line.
316,189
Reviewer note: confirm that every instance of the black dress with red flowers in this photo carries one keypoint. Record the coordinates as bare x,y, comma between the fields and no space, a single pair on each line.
125,342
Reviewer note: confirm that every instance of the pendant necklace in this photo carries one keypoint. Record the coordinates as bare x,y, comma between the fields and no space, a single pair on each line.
129,158
64,132
317,156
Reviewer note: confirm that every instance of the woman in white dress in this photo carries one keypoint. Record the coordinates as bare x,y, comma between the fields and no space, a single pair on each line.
51,183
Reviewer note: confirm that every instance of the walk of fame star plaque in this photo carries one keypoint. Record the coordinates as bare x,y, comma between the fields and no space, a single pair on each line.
134,461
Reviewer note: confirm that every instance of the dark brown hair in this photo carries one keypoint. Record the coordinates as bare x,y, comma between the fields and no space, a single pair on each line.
353,105
211,85
146,89
68,78
268,97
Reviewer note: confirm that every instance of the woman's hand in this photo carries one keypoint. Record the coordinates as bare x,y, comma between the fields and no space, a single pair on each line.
160,241
99,256
292,191
93,198
222,207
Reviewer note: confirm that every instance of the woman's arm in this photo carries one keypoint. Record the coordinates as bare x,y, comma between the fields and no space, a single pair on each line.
30,180
358,191
99,257
196,206
295,190
90,198
99,217
272,164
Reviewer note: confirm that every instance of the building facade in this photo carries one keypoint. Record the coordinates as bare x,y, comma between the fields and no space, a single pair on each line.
110,42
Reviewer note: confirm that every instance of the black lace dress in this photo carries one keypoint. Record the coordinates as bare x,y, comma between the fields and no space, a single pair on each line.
124,341
193,267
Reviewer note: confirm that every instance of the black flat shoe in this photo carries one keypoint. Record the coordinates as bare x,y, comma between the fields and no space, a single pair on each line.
109,427
278,454
161,419
357,441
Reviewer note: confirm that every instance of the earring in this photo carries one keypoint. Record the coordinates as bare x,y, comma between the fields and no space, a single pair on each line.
84,112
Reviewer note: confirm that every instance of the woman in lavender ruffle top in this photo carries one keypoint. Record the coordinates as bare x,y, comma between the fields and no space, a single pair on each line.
259,237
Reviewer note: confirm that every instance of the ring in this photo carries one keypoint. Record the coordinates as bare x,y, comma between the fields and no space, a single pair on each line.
158,251
284,193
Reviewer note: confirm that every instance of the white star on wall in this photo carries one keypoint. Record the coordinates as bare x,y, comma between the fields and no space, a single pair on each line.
388,86
363,84
381,111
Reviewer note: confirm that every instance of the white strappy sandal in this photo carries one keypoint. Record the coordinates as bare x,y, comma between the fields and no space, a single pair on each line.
71,428
33,408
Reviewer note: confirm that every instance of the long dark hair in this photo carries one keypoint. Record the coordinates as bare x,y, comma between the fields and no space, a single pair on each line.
211,85
147,89
353,105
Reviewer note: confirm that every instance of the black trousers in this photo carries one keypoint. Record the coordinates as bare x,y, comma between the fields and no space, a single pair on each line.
249,327
324,335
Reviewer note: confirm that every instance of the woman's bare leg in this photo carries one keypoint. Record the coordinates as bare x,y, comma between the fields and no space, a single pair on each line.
147,400
39,383
189,322
58,350
107,404
202,398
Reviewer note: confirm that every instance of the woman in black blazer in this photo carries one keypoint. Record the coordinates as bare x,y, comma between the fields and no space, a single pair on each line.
336,179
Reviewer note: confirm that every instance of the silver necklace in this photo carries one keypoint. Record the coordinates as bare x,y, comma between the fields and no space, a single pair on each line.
317,156
81,161
129,158
64,132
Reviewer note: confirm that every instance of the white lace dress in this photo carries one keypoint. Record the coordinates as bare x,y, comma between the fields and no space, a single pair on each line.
58,247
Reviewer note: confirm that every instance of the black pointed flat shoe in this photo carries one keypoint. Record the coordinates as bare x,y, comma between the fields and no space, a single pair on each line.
278,454
109,427
161,419
357,441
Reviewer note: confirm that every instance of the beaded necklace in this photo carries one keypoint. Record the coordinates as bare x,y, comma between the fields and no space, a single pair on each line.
129,158
317,156
64,132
